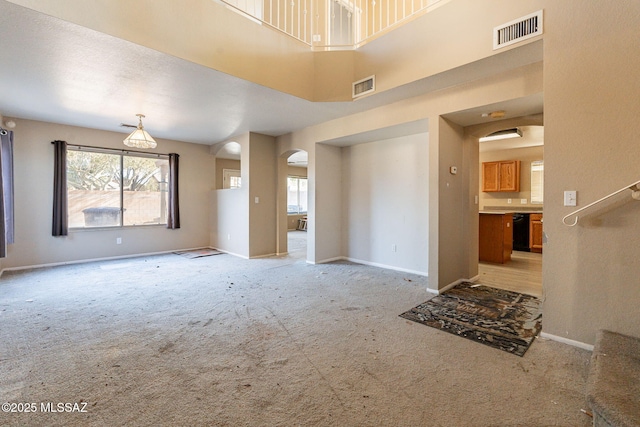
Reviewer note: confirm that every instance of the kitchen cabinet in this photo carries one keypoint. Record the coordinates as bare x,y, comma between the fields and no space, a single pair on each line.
496,237
535,232
501,176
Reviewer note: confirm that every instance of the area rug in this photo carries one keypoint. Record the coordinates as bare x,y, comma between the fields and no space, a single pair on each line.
505,320
198,253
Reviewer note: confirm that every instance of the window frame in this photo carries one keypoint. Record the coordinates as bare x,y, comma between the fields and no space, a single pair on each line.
298,193
121,154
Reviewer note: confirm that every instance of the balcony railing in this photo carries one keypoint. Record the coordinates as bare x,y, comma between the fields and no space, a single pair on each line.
332,24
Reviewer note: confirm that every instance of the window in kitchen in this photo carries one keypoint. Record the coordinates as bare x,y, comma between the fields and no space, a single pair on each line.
537,182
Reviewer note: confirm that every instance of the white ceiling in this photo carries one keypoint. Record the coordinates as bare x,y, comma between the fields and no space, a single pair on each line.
55,71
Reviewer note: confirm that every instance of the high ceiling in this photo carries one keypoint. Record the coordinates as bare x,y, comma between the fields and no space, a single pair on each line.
56,71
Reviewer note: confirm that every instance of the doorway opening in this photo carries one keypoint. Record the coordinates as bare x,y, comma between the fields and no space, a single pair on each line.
297,203
522,270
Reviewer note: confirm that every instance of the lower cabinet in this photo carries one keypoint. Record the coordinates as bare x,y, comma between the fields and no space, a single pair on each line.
496,237
535,233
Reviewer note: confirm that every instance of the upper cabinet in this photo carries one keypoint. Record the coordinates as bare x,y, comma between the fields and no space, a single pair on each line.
501,176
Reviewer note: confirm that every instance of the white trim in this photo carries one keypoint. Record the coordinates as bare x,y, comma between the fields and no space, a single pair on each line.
85,261
386,267
369,263
324,261
563,340
232,253
263,256
449,286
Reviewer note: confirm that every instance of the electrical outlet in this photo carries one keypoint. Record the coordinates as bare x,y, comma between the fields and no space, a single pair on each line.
509,201
523,201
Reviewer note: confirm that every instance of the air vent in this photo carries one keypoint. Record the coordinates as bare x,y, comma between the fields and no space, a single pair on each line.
518,30
364,87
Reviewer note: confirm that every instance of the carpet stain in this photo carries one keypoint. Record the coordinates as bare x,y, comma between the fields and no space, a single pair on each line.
165,348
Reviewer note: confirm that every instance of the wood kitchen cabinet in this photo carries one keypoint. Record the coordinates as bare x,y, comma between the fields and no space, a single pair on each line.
501,176
535,232
496,237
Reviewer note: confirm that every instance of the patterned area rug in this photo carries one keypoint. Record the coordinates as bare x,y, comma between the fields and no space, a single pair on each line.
198,253
501,319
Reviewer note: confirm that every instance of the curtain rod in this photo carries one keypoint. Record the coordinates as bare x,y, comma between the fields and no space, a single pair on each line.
116,150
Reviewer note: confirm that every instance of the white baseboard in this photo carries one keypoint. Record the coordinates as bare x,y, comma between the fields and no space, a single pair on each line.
325,261
231,253
449,286
387,267
84,261
563,340
262,256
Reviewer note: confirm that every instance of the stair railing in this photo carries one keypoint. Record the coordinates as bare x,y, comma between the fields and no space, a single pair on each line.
635,193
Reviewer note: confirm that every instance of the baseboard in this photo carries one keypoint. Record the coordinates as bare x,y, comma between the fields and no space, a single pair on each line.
387,267
262,256
325,261
563,340
449,286
84,261
231,253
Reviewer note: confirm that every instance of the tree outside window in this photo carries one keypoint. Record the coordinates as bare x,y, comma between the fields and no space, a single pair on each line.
113,190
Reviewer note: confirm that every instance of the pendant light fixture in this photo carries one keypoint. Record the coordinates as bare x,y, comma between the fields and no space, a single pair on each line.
140,138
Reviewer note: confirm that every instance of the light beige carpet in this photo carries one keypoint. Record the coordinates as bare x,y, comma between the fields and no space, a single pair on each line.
222,341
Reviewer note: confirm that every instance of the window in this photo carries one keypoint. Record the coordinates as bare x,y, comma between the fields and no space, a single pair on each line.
296,195
231,179
106,189
537,182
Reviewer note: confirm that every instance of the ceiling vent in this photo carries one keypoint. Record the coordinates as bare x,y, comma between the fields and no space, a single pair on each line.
518,30
364,87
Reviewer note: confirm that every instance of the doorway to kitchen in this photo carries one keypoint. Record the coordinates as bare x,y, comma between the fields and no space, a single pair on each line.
522,204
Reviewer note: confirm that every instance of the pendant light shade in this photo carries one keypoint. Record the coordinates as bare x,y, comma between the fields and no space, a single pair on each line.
140,138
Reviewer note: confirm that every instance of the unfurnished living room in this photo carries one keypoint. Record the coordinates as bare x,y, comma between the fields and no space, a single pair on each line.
296,213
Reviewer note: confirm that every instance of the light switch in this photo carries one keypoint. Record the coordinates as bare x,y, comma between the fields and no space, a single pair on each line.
257,199
570,198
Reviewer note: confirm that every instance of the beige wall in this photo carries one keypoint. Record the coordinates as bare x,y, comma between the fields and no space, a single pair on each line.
229,225
33,163
501,199
591,94
207,33
243,221
262,181
385,187
201,31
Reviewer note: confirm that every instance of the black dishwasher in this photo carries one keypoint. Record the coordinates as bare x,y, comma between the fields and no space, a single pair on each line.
521,232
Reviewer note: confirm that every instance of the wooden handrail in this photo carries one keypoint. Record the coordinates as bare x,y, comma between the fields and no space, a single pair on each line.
635,188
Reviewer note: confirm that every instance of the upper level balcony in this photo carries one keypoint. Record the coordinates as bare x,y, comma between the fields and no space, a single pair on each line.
333,24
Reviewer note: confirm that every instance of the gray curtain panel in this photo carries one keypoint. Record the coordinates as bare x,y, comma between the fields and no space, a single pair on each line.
6,191
60,216
173,218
